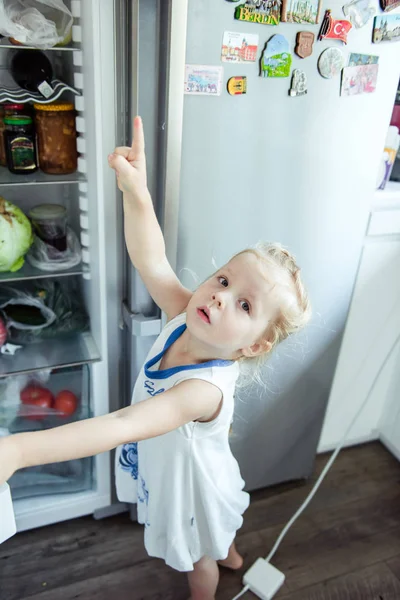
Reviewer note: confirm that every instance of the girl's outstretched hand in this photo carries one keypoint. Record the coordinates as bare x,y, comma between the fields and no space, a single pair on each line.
129,164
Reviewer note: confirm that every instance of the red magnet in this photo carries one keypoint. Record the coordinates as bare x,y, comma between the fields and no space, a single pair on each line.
334,29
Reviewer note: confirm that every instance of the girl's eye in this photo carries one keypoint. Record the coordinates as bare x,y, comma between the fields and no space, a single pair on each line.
245,305
223,281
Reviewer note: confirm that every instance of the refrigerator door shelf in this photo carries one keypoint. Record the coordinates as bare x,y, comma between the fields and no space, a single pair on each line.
42,510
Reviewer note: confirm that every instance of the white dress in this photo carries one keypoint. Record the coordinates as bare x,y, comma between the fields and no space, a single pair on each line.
186,483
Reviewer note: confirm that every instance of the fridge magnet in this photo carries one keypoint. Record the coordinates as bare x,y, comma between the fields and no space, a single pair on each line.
237,85
239,47
358,60
203,80
334,29
359,12
387,5
266,12
299,83
330,62
302,11
304,43
386,29
276,58
359,80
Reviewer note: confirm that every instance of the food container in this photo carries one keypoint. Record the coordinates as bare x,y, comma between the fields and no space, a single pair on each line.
20,144
3,155
17,110
50,225
56,138
9,110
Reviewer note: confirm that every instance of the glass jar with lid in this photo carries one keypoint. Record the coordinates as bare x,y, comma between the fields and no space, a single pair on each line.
18,110
56,138
50,225
9,110
20,145
3,155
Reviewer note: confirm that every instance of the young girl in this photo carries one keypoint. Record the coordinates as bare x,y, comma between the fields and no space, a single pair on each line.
173,456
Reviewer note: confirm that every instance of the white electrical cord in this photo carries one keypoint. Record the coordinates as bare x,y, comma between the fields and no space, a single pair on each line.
330,461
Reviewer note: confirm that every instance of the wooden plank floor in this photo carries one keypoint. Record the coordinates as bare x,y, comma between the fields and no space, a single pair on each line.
346,546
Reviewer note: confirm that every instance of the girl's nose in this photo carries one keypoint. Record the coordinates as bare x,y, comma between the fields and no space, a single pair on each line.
217,297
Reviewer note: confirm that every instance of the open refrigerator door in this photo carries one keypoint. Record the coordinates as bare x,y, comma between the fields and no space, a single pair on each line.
60,368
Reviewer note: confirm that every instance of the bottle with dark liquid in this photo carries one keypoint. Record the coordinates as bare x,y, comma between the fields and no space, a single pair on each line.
32,70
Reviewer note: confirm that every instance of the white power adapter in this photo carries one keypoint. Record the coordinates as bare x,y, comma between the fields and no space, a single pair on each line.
263,579
7,520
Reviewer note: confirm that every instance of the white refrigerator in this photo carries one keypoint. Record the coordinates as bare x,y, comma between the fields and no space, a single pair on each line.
224,172
227,171
86,363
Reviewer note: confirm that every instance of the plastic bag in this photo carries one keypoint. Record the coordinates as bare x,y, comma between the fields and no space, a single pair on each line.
34,311
47,258
38,23
22,311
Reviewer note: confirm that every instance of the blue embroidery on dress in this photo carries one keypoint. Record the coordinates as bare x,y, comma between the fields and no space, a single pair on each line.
143,496
149,387
128,459
143,492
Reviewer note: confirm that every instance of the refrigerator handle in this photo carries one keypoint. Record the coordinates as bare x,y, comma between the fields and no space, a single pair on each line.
139,325
178,10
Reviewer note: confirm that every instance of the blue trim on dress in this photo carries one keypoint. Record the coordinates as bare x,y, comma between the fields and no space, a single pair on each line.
164,373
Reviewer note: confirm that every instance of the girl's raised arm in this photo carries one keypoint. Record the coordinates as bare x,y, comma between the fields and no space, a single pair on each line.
143,235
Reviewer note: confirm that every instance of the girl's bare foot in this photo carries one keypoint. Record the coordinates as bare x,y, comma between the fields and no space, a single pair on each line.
233,560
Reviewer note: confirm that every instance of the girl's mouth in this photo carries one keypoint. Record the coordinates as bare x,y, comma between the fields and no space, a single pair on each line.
204,314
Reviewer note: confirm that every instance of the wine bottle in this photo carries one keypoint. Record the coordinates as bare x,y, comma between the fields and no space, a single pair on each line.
32,70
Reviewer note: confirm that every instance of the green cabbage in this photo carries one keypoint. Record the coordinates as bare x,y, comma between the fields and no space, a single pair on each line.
15,236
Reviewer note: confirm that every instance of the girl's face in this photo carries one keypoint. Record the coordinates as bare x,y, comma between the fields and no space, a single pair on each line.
231,311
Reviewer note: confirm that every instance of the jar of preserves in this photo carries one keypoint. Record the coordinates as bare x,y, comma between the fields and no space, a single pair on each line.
20,145
3,156
56,138
8,110
18,110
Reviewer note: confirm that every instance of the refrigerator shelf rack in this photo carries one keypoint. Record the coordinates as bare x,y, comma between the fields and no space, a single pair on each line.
66,351
38,178
4,43
28,272
17,94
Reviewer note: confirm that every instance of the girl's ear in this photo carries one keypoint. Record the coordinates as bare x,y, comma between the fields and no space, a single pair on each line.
256,349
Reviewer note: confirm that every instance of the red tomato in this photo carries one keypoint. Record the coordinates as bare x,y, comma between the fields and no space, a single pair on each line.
3,333
66,402
36,395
